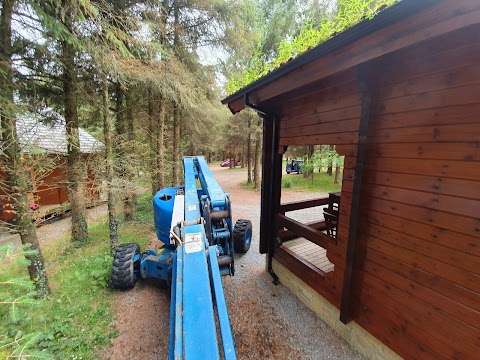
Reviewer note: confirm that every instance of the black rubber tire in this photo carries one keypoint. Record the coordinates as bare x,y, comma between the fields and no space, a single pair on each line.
242,229
125,269
288,172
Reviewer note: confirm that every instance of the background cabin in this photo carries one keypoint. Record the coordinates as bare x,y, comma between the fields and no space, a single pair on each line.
399,97
43,139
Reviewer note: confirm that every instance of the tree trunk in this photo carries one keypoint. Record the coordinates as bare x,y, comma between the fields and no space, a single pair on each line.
176,146
120,111
331,148
161,146
109,170
120,140
337,173
152,136
258,149
176,110
310,151
76,171
242,156
156,119
17,183
234,157
249,152
130,200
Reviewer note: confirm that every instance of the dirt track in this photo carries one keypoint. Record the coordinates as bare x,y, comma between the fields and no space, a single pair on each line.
267,320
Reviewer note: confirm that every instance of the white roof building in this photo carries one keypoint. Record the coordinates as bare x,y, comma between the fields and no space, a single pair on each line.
45,131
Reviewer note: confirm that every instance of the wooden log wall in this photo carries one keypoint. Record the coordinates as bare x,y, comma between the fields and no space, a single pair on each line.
52,188
325,113
417,281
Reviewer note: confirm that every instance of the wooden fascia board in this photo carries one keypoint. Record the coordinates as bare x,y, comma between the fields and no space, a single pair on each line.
441,18
236,105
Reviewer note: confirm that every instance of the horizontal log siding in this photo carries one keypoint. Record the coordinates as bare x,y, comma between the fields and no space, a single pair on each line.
328,115
325,113
418,272
416,280
52,188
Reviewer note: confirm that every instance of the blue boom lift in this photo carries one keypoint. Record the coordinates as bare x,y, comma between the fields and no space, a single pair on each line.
195,225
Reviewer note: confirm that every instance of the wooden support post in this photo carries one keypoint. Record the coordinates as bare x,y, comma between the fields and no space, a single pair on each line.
267,175
277,157
271,188
345,315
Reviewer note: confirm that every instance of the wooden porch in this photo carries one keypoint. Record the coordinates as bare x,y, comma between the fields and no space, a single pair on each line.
304,250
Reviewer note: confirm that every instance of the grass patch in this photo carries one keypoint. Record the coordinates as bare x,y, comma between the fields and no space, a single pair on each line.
77,320
248,186
321,182
144,213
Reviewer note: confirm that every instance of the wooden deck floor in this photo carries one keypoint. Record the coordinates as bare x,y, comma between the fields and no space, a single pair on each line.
310,252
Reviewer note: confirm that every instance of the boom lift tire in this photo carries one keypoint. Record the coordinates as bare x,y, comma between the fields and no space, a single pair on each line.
126,265
242,236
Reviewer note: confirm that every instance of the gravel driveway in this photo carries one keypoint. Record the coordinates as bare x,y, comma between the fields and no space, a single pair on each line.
267,320
58,228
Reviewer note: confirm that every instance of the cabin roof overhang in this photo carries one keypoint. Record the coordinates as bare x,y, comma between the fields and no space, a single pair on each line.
403,24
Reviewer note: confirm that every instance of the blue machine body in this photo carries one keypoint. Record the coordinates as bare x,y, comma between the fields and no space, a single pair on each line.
163,202
294,166
193,259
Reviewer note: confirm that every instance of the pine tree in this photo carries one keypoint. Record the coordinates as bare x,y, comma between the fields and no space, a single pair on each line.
76,168
109,166
17,178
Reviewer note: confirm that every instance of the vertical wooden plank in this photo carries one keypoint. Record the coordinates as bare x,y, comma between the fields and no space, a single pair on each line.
267,177
345,314
276,188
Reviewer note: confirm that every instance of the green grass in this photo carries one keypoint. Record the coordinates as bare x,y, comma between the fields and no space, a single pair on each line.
248,186
321,182
77,319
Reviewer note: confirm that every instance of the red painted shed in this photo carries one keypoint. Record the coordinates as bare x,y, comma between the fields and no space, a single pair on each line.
42,137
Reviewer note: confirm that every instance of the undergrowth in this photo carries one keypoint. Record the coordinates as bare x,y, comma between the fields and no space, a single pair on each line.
77,319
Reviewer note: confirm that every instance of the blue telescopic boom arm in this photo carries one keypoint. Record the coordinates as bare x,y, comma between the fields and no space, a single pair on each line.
196,279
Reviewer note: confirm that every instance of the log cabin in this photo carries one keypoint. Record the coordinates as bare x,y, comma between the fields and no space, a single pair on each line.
42,137
399,97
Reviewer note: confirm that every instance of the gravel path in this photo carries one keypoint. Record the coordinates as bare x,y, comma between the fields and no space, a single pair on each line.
267,320
58,228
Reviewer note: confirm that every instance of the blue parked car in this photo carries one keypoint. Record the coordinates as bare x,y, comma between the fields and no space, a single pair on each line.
294,166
